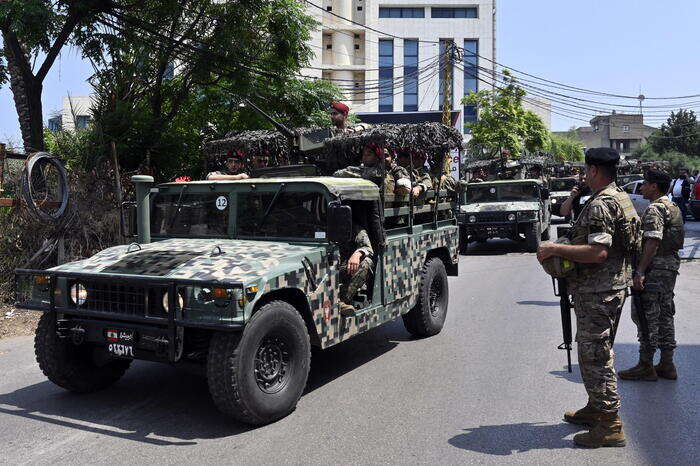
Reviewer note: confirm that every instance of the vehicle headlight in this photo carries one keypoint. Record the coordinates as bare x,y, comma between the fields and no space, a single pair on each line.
511,217
166,301
78,294
472,219
554,200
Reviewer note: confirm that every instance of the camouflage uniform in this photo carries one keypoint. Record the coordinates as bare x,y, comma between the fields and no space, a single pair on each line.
393,176
374,174
350,284
599,290
662,221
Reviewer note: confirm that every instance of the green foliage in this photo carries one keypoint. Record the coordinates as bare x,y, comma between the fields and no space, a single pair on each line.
504,123
680,133
565,148
77,149
676,159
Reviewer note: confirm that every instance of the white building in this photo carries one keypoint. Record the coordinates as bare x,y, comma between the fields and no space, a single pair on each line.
541,107
75,113
382,73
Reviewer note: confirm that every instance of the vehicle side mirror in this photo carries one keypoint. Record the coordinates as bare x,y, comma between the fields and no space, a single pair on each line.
128,219
544,193
339,223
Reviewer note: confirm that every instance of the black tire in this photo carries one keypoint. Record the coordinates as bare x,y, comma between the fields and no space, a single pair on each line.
545,234
72,367
532,237
428,315
236,365
32,174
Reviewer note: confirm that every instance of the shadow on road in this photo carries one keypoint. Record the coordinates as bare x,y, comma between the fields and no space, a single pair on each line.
507,439
495,247
161,405
573,376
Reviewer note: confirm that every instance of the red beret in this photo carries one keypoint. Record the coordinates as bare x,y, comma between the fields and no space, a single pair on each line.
377,148
341,107
235,154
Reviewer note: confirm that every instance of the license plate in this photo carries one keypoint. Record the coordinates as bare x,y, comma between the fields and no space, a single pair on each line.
120,342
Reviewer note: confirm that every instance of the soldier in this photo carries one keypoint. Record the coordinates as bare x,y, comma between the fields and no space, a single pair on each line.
421,178
602,241
397,180
356,264
339,113
234,168
655,278
370,168
261,160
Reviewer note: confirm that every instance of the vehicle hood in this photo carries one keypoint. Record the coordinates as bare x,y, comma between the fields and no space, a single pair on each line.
500,207
559,194
198,259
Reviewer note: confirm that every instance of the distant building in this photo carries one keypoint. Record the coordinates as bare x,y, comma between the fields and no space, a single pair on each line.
75,113
541,107
382,73
624,132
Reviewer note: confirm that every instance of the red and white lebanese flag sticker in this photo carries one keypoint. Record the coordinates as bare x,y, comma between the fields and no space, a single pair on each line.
112,335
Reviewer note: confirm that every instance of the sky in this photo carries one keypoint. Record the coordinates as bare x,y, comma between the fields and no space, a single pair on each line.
616,46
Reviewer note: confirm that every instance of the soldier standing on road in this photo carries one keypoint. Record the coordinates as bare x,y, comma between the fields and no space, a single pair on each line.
602,242
234,168
655,278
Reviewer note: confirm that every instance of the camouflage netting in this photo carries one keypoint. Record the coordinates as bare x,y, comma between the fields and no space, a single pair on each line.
90,224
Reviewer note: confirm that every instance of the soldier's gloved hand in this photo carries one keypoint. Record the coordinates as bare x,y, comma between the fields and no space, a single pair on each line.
354,263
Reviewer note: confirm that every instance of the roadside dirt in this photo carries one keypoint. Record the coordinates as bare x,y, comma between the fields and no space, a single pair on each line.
17,322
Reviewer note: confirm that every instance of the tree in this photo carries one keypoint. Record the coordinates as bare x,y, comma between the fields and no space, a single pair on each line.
504,123
680,133
565,148
33,30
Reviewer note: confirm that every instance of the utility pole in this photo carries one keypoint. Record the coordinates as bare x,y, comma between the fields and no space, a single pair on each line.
447,96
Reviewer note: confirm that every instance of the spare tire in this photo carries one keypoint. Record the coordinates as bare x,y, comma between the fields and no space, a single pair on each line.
42,170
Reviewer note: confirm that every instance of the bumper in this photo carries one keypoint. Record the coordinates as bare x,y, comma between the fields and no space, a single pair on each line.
122,303
496,230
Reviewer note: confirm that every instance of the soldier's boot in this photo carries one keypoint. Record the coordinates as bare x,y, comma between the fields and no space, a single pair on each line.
606,433
586,416
644,370
665,368
346,310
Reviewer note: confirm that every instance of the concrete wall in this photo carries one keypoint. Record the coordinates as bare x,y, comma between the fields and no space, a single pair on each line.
541,107
75,109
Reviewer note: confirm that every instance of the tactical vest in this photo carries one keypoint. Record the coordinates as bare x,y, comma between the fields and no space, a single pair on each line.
674,234
627,238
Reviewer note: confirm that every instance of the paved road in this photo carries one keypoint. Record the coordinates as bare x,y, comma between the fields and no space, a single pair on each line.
490,389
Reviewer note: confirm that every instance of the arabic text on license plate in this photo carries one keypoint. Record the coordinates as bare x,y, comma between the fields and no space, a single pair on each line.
118,349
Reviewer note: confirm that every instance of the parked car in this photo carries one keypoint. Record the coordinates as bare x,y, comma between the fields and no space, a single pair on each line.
635,193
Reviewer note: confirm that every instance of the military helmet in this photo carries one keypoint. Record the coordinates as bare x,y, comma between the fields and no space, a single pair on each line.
558,267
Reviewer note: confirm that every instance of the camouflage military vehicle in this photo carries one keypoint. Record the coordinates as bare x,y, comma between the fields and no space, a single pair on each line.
240,278
515,209
559,191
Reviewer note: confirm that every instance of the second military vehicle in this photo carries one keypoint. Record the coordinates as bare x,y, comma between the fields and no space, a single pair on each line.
514,209
559,191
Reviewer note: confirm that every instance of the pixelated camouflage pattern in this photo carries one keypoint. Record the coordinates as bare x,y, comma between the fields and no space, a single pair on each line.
374,174
595,317
601,222
657,304
662,221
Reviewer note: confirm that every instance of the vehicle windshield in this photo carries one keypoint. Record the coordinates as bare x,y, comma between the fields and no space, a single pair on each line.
502,193
190,214
292,215
562,184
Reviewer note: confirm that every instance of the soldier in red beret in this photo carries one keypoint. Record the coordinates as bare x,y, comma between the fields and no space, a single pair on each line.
339,117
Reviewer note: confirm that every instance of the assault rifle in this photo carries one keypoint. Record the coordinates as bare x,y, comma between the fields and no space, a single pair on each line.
561,290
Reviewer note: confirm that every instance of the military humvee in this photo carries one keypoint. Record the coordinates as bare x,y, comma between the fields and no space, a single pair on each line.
559,191
515,209
240,278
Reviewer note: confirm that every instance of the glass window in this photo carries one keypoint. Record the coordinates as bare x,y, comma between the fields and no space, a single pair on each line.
471,80
385,12
386,75
410,73
192,215
81,121
443,68
292,215
454,12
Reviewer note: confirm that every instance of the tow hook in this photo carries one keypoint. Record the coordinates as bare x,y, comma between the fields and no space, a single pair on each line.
161,344
77,335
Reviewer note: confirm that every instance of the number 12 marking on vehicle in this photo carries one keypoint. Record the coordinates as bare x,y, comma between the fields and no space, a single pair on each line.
221,202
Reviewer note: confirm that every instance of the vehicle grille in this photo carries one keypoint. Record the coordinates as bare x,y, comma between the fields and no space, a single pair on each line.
492,217
120,298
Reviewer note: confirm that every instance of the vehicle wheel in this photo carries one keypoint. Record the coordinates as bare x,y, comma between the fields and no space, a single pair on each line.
532,237
72,367
545,234
428,315
258,376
